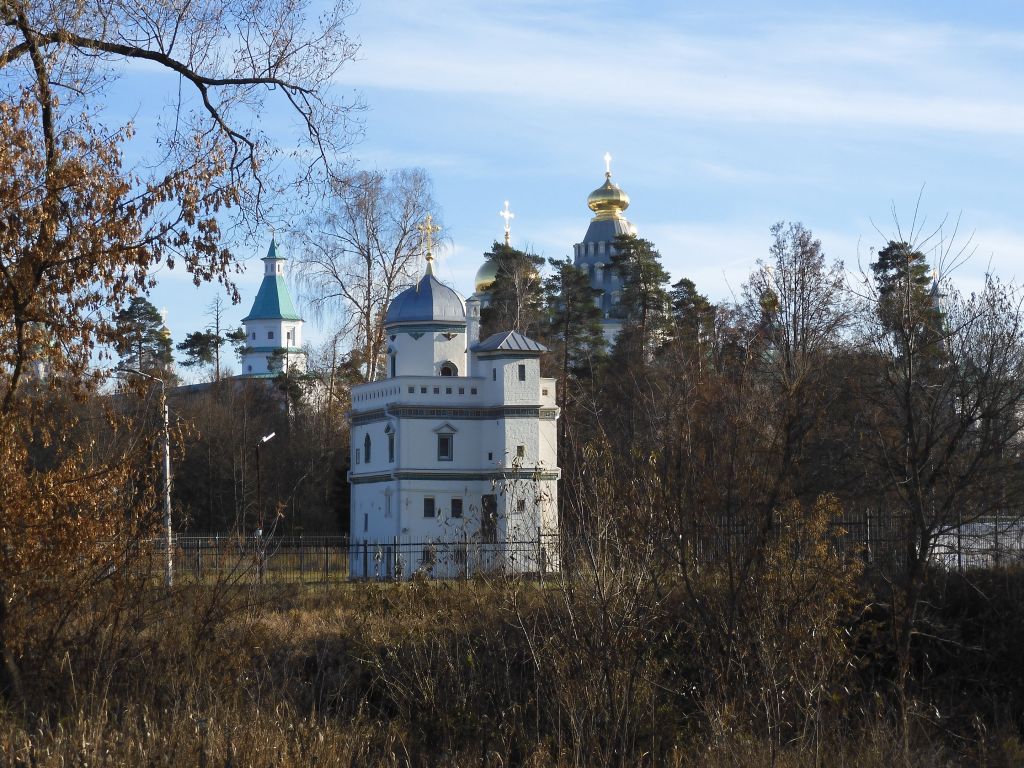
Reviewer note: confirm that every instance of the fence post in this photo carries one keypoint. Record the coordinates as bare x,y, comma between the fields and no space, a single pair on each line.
327,561
995,530
540,557
465,552
959,541
867,535
302,561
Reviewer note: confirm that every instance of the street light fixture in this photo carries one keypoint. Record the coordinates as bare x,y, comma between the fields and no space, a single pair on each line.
259,497
168,530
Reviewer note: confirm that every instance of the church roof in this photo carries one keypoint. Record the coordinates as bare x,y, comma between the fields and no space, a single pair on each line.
606,230
509,341
428,301
273,302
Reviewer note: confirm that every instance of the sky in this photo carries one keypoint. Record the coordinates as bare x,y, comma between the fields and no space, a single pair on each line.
720,121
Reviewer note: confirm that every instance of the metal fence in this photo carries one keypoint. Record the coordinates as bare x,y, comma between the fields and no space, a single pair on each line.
332,559
880,540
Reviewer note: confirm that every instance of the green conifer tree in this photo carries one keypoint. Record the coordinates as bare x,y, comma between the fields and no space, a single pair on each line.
516,296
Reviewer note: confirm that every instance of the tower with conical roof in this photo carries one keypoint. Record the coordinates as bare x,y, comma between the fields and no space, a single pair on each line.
273,327
594,254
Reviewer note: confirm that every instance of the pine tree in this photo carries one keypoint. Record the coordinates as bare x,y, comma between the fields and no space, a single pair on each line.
644,305
199,348
143,343
693,318
517,298
902,280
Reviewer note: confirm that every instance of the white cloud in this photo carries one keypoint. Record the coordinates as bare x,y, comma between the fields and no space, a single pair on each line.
842,73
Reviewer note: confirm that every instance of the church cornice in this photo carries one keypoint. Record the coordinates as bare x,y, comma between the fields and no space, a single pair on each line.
471,413
524,473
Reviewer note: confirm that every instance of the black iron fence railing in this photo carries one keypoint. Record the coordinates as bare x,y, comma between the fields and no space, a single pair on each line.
882,542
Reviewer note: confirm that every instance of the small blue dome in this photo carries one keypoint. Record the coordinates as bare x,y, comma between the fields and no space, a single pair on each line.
429,301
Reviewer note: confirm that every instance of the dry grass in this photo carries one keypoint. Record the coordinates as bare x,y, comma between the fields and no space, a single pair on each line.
412,674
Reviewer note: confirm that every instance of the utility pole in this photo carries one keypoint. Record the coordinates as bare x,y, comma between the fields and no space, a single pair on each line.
168,528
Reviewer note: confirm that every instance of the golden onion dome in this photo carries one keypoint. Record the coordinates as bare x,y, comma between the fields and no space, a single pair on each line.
486,275
608,201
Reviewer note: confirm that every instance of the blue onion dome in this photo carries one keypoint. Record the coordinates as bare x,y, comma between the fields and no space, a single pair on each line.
429,301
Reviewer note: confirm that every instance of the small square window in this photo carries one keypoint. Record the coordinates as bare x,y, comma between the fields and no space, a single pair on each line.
456,507
447,390
437,390
412,390
472,391
428,506
462,390
270,334
522,372
520,451
444,447
521,505
544,392
423,390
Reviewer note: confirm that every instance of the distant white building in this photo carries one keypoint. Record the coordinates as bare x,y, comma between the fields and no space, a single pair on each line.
273,327
454,454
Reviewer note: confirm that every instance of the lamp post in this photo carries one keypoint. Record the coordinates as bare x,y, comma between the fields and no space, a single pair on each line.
259,498
168,530
260,544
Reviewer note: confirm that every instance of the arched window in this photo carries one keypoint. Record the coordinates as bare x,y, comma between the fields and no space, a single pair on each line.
366,448
449,369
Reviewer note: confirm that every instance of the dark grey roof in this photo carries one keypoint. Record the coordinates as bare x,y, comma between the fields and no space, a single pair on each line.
509,341
605,230
430,300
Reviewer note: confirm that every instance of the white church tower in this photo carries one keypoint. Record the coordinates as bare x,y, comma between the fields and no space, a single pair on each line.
454,460
273,328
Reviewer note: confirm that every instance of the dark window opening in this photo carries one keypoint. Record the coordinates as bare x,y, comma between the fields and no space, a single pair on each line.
447,369
428,506
270,334
456,507
366,448
444,447
522,372
391,448
489,518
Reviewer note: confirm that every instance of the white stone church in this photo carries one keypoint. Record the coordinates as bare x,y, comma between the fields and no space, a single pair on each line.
454,461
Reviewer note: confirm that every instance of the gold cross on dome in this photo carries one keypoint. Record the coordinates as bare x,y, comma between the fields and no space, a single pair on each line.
507,215
608,163
428,228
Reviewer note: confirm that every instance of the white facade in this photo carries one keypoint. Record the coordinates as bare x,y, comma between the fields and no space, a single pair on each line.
454,455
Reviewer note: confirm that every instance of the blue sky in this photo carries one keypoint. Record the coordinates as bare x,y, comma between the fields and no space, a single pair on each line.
720,121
